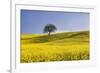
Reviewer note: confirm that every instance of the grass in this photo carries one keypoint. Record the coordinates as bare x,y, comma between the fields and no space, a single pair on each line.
65,46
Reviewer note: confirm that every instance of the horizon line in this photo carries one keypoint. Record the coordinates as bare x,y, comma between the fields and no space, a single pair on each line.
55,32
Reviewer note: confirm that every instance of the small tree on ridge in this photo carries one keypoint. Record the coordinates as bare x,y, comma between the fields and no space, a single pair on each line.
49,28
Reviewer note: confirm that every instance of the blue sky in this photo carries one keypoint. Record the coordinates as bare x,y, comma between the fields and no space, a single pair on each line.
33,21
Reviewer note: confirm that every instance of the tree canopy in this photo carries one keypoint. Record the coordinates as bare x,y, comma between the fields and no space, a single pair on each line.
49,28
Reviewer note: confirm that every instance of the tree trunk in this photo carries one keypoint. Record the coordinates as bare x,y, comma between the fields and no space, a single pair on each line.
49,34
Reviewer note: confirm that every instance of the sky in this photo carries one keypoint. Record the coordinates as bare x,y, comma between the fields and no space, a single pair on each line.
34,21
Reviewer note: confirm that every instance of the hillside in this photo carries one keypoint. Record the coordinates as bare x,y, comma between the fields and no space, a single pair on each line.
65,46
66,36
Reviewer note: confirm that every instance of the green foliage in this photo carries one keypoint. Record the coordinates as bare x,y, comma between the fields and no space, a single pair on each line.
49,28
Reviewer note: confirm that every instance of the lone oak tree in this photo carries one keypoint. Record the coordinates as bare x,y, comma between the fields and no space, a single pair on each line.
49,28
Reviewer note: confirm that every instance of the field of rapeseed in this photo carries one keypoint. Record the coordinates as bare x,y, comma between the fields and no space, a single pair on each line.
65,46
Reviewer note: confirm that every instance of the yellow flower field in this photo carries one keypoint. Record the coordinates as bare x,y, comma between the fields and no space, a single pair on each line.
65,46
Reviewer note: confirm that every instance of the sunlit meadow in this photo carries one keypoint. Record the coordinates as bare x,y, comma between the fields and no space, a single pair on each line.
66,46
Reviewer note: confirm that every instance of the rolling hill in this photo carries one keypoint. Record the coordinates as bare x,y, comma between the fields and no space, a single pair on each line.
36,38
56,47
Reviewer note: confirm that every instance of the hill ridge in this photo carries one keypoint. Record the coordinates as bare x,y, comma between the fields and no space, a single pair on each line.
58,36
